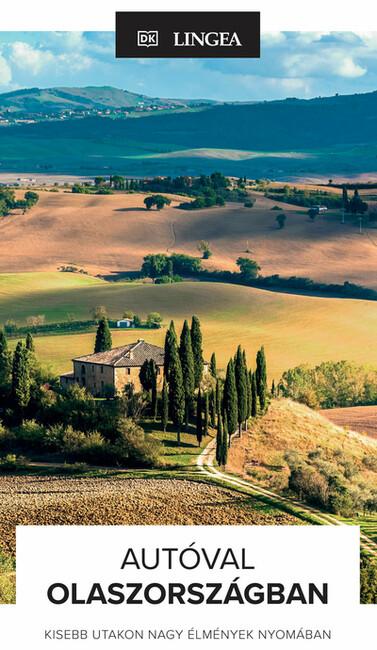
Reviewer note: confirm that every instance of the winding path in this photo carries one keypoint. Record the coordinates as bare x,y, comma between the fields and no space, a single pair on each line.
205,462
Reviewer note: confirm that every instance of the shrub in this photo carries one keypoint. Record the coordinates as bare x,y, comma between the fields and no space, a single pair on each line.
30,435
11,463
168,279
309,484
370,462
88,447
132,447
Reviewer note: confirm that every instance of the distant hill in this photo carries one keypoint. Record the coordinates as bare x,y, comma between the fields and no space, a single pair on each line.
52,100
331,135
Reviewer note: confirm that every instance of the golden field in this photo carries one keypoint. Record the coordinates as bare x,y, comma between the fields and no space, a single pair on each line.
105,234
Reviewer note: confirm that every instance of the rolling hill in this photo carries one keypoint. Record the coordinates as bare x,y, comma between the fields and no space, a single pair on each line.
336,134
294,329
112,234
292,428
55,100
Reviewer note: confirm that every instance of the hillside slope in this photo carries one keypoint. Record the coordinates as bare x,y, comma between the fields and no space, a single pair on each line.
55,100
295,429
337,133
294,329
106,234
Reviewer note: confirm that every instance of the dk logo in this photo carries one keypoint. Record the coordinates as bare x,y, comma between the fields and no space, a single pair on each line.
147,39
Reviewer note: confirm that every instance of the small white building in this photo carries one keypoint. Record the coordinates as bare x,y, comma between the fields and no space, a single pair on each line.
125,322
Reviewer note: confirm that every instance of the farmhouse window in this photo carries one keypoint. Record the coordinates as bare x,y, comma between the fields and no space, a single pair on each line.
102,370
83,370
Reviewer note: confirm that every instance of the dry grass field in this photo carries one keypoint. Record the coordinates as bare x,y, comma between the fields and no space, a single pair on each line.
289,426
37,500
294,329
105,234
357,418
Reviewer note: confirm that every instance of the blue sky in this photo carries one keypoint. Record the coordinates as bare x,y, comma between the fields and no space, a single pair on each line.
293,64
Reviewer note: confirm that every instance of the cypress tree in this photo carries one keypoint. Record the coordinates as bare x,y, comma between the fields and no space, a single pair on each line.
219,438
5,360
248,401
241,386
218,397
188,372
20,377
29,342
212,405
213,365
154,395
230,399
254,395
170,342
261,377
164,407
206,414
176,391
249,396
196,340
273,389
147,374
103,336
199,419
226,441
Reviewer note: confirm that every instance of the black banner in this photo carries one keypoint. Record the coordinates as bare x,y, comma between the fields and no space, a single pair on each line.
193,34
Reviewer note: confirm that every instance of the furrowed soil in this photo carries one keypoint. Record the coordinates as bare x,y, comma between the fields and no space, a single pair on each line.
37,500
357,418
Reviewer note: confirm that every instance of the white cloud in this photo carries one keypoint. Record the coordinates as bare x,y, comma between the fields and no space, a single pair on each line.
272,38
76,62
305,38
35,60
25,57
330,62
369,40
5,72
348,68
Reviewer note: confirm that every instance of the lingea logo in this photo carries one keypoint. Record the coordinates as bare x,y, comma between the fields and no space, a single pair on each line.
147,38
207,39
191,39
191,34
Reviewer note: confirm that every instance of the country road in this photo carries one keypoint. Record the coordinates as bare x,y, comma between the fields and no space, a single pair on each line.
205,463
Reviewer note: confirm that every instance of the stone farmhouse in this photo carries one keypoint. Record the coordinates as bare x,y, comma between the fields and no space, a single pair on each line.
111,371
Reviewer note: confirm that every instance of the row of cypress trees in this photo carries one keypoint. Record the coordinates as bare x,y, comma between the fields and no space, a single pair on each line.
228,407
244,394
16,373
183,371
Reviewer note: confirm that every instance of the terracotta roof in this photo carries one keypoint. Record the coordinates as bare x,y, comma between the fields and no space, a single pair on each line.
133,354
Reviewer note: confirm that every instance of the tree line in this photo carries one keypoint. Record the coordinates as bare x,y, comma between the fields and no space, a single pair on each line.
190,396
164,268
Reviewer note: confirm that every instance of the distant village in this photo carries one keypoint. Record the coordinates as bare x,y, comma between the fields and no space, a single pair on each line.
11,118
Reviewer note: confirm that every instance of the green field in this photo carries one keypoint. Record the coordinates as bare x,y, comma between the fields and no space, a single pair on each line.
367,523
293,328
